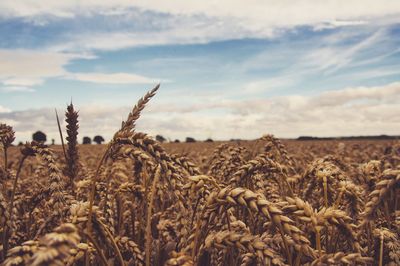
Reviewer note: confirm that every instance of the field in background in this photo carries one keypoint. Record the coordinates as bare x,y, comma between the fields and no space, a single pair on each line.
200,152
136,201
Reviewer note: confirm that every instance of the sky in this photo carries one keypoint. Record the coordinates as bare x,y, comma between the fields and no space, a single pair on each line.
228,69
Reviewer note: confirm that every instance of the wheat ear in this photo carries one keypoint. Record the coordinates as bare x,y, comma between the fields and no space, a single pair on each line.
126,126
71,117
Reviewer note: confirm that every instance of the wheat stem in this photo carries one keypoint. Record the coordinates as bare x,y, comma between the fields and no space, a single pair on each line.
381,250
61,136
11,206
149,213
5,159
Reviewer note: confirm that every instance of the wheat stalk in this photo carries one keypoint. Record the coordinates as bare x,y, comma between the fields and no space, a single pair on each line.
71,117
7,136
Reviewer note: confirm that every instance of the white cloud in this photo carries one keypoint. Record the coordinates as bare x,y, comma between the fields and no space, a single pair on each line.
341,97
26,68
339,23
259,13
350,111
16,89
281,13
333,58
188,22
337,59
29,64
264,85
114,78
377,72
23,81
21,70
181,30
4,110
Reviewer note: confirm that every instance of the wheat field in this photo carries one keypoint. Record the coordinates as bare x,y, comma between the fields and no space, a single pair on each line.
135,201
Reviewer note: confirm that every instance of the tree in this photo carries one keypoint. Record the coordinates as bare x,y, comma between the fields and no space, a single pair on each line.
86,140
177,141
160,138
208,140
190,139
39,136
98,139
53,141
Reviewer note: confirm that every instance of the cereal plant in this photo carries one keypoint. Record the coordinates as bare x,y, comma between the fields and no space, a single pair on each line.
136,201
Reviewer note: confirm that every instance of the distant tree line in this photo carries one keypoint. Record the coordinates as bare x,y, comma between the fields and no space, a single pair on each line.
39,136
379,137
161,139
97,139
187,140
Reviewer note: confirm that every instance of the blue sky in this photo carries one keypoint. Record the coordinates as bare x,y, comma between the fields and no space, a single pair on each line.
228,69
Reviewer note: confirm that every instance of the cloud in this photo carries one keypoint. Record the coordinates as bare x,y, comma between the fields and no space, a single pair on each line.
333,58
32,65
256,12
26,68
114,78
349,111
339,23
272,83
22,81
22,70
16,89
341,97
4,110
122,23
175,30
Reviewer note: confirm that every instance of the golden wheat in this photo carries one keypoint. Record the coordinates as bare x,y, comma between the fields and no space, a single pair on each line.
263,202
